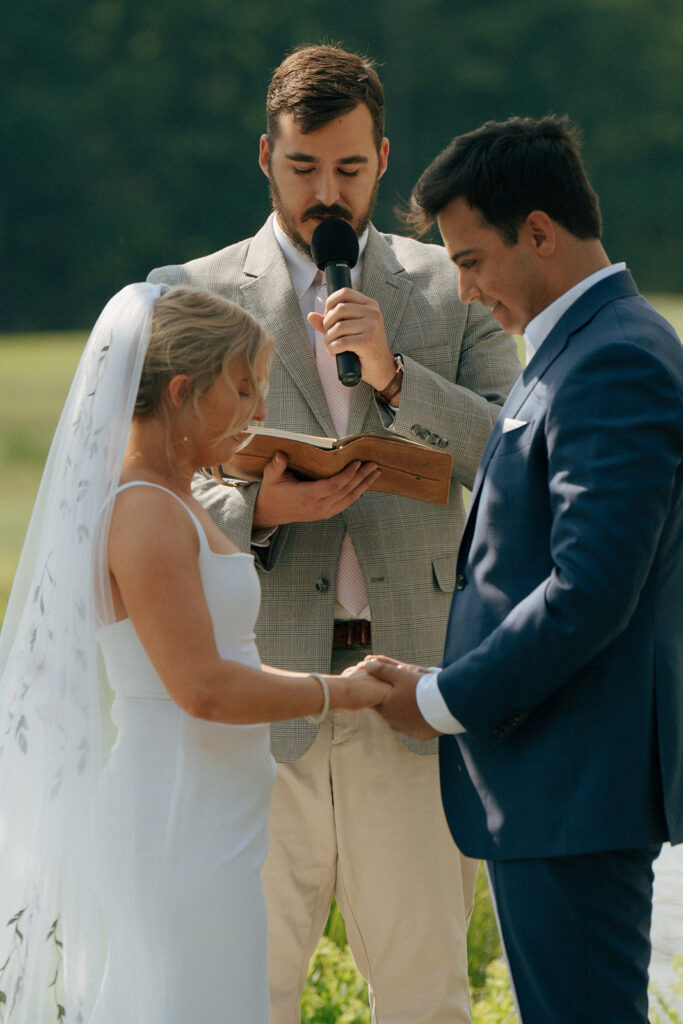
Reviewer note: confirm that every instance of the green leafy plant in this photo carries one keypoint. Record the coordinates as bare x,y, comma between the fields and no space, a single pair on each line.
661,1009
483,944
335,993
493,1002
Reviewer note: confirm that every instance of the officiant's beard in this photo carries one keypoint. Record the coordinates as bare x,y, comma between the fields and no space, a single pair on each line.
288,220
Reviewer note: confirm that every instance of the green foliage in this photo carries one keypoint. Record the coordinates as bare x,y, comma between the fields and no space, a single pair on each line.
483,944
335,929
129,132
335,993
662,1010
493,1003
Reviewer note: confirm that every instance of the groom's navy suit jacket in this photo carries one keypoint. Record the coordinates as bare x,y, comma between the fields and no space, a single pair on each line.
564,653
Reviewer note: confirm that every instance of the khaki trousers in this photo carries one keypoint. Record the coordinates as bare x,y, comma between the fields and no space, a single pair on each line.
359,816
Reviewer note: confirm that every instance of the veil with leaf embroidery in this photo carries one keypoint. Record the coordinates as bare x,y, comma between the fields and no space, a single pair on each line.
53,705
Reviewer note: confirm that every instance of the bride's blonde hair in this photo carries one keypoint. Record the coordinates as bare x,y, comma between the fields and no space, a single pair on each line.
198,334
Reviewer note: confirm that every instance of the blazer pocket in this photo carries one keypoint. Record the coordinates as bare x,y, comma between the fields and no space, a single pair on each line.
444,568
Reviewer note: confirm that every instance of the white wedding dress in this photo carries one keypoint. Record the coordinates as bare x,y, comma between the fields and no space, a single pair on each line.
183,822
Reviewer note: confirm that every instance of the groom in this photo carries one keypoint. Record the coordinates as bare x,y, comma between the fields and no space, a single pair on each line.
561,690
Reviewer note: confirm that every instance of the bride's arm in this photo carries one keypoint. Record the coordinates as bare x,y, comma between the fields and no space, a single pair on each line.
153,561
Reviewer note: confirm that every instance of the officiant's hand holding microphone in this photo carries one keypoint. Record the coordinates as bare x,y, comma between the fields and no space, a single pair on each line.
353,327
352,323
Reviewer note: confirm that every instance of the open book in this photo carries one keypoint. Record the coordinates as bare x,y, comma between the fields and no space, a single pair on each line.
407,468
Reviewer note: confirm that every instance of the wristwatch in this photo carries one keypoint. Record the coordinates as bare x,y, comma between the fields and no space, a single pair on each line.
395,384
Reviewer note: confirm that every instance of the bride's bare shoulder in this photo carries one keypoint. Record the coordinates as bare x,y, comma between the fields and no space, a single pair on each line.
150,521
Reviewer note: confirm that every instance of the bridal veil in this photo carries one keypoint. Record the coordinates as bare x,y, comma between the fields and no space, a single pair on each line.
54,732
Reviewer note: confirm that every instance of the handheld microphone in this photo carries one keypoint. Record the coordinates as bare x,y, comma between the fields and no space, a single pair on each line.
335,250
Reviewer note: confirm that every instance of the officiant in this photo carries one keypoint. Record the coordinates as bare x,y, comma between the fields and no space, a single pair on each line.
356,810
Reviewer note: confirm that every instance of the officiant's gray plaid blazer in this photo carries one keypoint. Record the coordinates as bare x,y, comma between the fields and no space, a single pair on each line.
459,366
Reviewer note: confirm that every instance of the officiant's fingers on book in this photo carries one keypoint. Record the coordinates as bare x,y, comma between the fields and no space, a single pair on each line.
284,498
366,475
336,493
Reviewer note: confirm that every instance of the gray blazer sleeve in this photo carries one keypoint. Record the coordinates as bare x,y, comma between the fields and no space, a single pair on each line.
459,415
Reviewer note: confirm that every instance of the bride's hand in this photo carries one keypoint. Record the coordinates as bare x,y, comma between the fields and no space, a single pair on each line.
356,689
355,668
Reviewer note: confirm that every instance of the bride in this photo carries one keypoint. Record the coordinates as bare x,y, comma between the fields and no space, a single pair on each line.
135,775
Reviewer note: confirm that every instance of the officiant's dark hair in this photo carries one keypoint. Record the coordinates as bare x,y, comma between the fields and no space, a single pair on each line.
316,84
506,169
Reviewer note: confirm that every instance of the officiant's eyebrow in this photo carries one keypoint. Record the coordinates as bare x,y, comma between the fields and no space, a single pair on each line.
459,255
307,158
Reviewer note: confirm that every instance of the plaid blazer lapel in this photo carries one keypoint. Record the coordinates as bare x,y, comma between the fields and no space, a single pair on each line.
267,292
384,280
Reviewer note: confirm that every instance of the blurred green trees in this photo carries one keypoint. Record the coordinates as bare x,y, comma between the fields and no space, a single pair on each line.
129,131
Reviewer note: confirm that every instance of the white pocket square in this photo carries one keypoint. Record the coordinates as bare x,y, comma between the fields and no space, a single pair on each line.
510,424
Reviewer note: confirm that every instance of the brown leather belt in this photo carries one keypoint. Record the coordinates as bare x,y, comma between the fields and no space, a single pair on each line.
351,633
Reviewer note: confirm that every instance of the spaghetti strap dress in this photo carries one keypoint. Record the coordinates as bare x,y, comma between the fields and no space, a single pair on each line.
182,822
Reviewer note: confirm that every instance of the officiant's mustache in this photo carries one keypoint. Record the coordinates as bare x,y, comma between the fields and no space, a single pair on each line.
319,210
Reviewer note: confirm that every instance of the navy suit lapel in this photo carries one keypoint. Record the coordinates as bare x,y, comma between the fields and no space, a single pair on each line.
617,286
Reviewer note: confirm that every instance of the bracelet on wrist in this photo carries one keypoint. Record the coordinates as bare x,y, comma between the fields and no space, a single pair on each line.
321,715
395,384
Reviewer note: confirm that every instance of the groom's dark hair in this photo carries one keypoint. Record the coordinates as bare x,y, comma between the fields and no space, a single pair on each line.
506,169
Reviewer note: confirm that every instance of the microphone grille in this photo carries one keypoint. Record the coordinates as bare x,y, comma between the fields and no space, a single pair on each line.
334,239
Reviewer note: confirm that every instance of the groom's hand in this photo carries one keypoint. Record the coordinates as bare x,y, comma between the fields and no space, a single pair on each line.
399,707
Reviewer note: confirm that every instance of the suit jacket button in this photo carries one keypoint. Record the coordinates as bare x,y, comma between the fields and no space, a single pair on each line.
460,581
322,585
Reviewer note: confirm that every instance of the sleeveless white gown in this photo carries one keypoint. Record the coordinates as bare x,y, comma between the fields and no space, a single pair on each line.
183,825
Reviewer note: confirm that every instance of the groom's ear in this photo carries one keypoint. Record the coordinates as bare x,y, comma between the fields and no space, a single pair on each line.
540,232
178,390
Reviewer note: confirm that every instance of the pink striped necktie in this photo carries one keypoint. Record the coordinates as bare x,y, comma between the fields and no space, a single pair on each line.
351,591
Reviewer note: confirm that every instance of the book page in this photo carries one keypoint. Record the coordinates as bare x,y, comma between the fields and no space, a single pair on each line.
291,435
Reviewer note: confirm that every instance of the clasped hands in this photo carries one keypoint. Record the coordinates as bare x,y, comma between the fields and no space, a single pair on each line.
398,706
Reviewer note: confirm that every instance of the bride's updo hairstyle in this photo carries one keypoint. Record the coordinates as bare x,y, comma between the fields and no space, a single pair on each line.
200,335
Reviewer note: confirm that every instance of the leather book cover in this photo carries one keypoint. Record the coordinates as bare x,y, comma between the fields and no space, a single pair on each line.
409,469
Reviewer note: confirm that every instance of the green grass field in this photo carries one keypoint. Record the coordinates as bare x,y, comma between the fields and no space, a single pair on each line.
35,373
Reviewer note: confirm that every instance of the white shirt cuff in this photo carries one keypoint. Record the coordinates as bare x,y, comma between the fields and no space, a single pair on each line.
433,707
260,538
